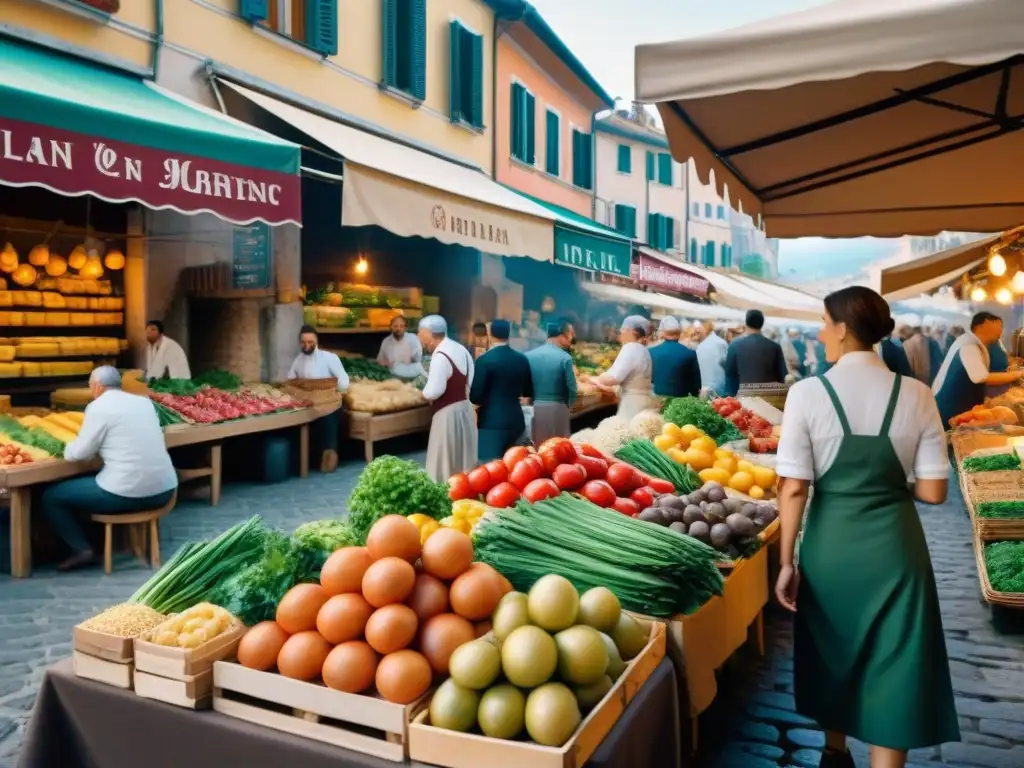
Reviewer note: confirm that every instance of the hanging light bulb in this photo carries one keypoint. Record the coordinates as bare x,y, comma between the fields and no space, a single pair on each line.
978,294
997,265
1004,296
1017,284
362,266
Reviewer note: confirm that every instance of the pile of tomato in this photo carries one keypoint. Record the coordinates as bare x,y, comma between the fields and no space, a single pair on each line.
558,466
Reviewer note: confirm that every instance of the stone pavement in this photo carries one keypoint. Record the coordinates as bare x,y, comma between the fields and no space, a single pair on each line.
755,724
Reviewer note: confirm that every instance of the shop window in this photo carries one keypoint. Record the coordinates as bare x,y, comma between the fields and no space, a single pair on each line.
665,169
650,166
466,85
311,22
709,253
582,159
625,159
721,212
691,255
625,220
707,210
524,130
405,46
552,144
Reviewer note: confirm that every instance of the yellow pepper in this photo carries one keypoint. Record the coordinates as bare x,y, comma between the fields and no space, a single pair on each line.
429,529
464,526
419,519
467,509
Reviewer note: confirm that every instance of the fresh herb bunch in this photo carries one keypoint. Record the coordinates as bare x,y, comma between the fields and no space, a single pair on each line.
218,379
326,535
692,410
1003,509
252,593
996,463
1005,563
393,486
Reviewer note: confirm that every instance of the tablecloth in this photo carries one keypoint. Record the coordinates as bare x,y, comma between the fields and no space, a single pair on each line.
77,723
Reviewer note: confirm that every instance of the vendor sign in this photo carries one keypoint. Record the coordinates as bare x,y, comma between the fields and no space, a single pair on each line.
597,254
658,274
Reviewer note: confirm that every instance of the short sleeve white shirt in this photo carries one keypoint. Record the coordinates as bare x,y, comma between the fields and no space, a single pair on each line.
633,359
812,432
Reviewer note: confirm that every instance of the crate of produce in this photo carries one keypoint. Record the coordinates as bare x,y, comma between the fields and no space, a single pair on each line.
191,692
454,749
997,514
103,646
362,723
988,592
967,442
188,644
119,675
1002,480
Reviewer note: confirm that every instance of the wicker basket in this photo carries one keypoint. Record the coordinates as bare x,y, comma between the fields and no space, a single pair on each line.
994,528
966,442
314,396
1007,599
1009,480
312,385
773,394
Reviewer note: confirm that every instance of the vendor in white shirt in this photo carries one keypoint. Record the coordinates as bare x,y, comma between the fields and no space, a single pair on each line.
632,369
124,431
401,351
315,363
164,356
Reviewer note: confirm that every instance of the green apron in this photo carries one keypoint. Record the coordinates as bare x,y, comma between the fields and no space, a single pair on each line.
870,656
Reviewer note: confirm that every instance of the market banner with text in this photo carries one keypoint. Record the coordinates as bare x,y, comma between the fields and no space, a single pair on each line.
658,274
574,248
72,163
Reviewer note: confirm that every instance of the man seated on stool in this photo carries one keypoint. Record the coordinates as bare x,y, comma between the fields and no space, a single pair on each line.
137,474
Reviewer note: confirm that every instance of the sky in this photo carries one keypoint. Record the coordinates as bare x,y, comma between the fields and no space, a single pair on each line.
603,34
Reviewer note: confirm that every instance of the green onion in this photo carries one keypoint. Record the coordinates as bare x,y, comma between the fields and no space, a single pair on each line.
646,457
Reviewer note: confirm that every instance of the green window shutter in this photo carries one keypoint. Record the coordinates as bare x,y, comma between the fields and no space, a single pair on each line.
531,129
476,79
654,230
620,218
625,158
322,26
665,169
669,224
632,222
516,132
582,160
389,42
650,166
455,106
418,30
709,254
576,152
254,10
692,255
551,142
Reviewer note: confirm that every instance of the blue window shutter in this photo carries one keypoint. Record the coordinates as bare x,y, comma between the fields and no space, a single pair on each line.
455,106
389,42
551,142
322,26
625,159
692,255
707,210
254,10
418,29
650,166
665,169
476,80
531,129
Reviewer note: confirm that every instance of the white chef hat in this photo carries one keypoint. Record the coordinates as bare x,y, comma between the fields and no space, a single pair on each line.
636,323
669,325
435,324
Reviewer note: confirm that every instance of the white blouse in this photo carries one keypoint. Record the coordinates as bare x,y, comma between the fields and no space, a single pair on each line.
633,359
812,432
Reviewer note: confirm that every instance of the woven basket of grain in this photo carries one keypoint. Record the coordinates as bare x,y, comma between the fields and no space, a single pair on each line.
312,391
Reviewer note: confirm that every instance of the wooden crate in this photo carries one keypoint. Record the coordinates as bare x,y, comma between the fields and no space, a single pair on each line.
452,749
194,692
362,723
370,428
183,663
119,675
100,645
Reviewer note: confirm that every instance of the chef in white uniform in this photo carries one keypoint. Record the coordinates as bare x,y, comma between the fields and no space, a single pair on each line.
632,369
315,363
401,351
164,356
452,446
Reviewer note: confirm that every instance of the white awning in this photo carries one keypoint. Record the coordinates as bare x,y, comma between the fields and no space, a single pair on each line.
855,117
413,193
925,274
677,307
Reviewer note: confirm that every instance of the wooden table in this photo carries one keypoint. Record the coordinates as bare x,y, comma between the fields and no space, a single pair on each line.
374,427
19,480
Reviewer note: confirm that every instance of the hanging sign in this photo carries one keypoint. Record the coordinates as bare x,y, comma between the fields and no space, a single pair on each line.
251,257
658,274
574,248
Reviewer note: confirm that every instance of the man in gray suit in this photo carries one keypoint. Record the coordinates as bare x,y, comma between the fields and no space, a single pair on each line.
753,358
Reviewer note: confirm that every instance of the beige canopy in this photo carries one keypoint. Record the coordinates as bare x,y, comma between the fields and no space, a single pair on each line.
857,117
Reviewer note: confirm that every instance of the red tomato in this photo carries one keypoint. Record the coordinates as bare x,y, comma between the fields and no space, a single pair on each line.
525,472
540,489
628,507
643,497
596,468
480,480
514,455
549,457
459,487
621,477
562,446
658,485
569,477
586,449
497,471
599,492
503,496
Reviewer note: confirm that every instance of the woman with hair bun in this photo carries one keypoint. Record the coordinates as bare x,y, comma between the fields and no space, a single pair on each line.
870,656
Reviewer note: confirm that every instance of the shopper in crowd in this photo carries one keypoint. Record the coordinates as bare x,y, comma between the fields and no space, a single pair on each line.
452,445
955,332
894,357
800,347
479,340
753,358
164,356
869,653
123,430
632,370
998,362
791,355
315,363
915,347
675,369
711,354
401,351
554,382
501,381
935,355
966,370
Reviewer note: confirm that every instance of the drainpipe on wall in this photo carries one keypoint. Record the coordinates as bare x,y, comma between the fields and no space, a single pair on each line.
158,42
593,166
499,30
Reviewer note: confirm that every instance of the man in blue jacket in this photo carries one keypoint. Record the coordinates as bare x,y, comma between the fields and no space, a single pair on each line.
754,358
676,369
501,378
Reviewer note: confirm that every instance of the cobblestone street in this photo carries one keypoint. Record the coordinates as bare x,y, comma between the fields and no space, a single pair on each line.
754,727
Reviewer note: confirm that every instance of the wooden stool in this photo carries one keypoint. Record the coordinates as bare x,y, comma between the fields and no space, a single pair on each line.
139,521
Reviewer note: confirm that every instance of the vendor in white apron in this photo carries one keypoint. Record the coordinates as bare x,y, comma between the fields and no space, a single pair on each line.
401,352
632,369
452,446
